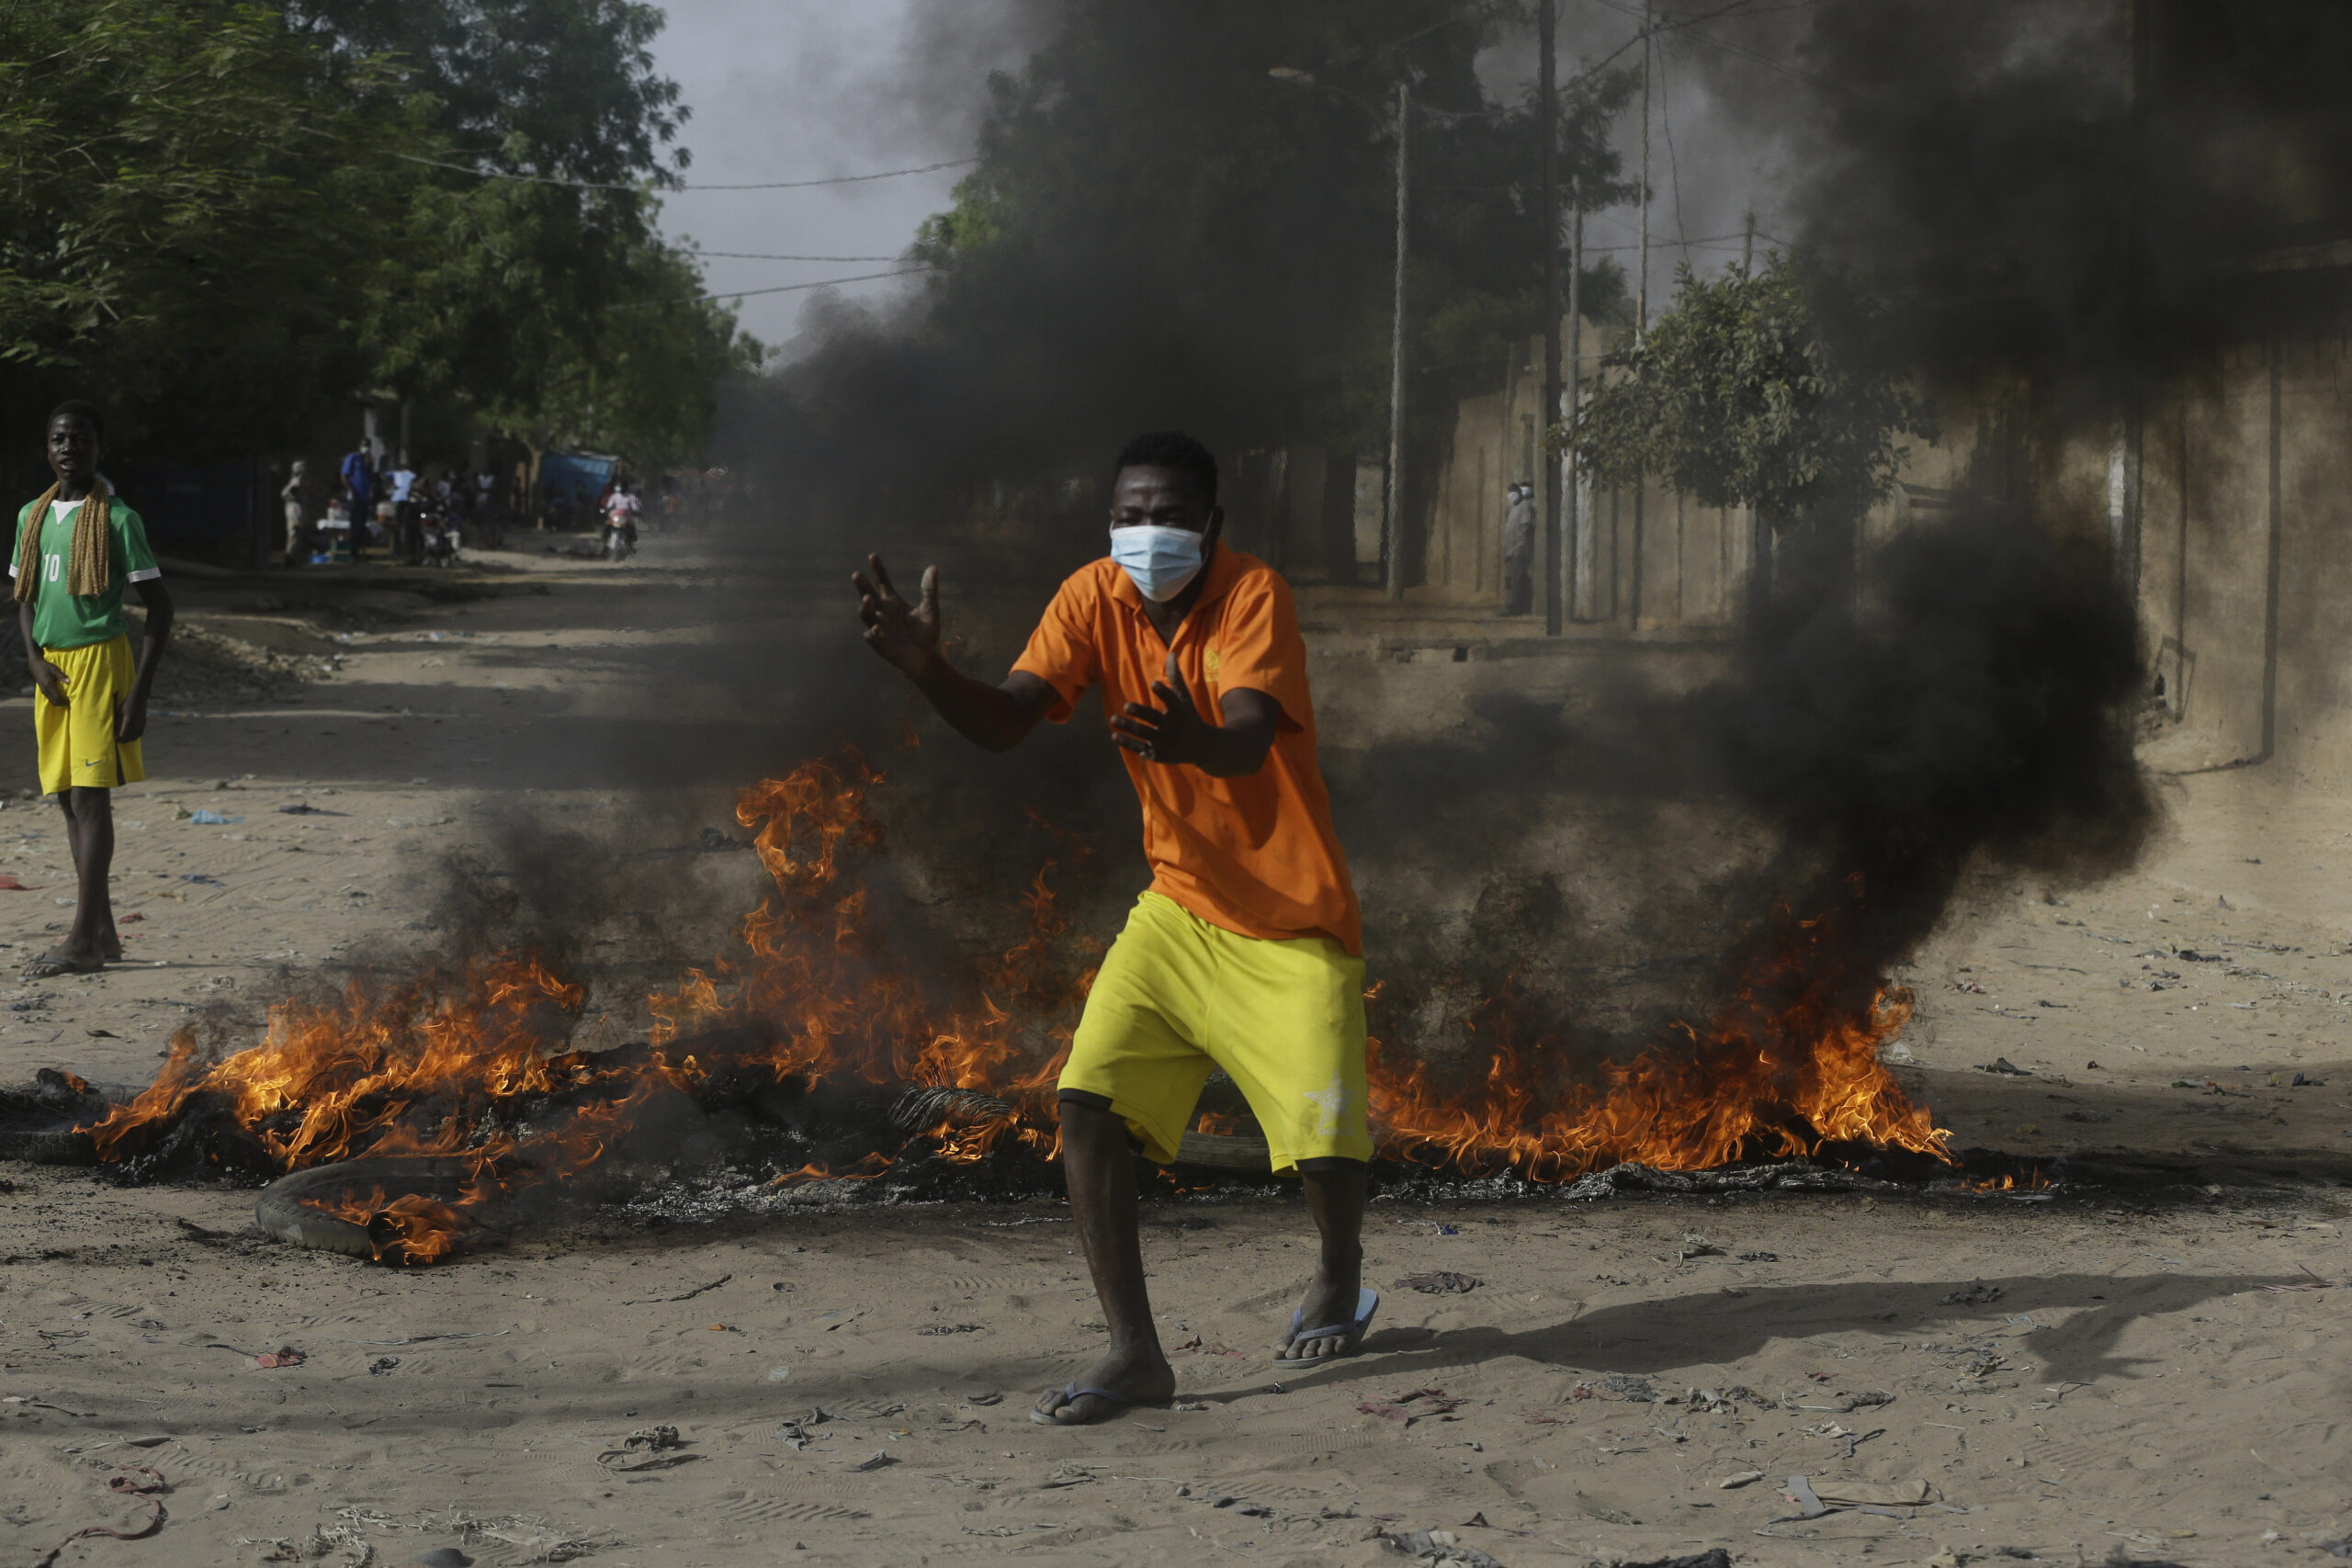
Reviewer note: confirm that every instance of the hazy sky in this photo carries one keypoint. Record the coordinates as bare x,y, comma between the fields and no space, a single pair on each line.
809,89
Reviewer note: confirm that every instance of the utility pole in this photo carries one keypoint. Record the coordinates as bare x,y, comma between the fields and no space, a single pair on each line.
1760,530
1547,90
1393,523
2124,485
1580,520
1641,277
1642,307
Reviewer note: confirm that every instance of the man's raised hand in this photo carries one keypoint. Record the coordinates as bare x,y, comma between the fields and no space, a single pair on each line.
1173,735
905,635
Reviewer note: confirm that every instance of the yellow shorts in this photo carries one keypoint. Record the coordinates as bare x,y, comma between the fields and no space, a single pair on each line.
78,750
1177,997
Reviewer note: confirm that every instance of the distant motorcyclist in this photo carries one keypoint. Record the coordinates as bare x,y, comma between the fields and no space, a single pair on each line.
621,512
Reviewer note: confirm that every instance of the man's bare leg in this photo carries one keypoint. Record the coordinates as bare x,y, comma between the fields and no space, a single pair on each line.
1335,1196
89,830
1102,1175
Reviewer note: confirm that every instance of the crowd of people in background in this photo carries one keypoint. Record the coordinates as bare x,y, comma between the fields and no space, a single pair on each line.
417,517
421,516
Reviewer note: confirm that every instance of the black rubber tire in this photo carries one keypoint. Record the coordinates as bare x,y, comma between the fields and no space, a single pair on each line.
282,1211
62,1146
1225,1151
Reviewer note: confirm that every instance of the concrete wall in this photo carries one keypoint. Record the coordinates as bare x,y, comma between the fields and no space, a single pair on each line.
2252,617
2205,559
1495,444
1661,561
2230,518
2232,524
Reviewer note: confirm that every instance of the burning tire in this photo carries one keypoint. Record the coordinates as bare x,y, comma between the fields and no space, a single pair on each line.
390,1211
45,1123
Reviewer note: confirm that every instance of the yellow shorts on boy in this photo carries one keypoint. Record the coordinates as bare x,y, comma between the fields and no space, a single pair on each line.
1177,997
78,750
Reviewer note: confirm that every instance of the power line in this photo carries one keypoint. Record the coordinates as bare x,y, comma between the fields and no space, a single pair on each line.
1673,165
1736,7
780,288
1701,240
1654,30
597,185
765,256
843,179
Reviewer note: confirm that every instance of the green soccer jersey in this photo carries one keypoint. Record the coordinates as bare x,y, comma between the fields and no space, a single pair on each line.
71,620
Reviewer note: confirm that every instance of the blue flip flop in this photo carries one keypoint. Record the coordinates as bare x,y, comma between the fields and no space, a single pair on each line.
1351,1335
1072,1394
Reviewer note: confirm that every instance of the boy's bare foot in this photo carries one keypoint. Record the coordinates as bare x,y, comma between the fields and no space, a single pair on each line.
66,958
1137,1379
1330,1301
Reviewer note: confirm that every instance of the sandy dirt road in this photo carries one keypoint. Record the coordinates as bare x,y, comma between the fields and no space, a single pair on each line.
2146,1369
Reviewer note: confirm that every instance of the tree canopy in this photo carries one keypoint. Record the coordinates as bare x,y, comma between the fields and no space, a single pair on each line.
220,217
1752,389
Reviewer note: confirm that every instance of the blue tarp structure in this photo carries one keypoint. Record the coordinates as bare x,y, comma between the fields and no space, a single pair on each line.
182,504
574,480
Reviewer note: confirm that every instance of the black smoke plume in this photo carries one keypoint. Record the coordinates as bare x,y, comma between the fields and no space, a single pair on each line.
2100,182
1970,715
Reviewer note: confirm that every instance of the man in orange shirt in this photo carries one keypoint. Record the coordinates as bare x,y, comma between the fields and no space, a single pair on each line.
1247,951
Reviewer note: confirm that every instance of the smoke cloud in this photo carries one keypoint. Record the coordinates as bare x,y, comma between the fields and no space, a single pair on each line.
2087,179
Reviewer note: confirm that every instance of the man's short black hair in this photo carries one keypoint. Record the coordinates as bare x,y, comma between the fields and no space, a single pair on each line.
1171,449
82,411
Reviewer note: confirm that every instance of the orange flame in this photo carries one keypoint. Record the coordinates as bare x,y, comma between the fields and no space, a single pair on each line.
440,1063
406,1228
1781,1078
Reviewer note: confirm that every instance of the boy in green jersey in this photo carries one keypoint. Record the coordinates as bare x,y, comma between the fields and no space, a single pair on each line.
76,546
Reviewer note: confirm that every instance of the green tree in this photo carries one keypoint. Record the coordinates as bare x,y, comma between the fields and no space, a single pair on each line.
1757,388
184,214
222,215
528,283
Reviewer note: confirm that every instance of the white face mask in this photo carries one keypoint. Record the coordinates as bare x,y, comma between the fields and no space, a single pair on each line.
1160,561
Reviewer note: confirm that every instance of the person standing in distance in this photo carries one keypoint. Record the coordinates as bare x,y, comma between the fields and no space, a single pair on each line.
297,513
410,540
1519,550
358,476
76,546
1247,951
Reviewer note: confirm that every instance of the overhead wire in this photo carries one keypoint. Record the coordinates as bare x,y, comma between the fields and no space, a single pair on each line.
605,185
770,255
779,289
1735,8
1673,165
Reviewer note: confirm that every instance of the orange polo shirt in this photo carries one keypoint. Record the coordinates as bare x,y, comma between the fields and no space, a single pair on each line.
1255,855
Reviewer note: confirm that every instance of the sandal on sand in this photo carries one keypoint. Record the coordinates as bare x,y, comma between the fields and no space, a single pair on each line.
1072,1394
1351,1335
50,964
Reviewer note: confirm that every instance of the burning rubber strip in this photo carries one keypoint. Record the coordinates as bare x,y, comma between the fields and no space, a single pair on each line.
926,1106
312,1208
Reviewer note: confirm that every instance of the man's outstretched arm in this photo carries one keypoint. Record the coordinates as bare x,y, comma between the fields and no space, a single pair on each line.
907,637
